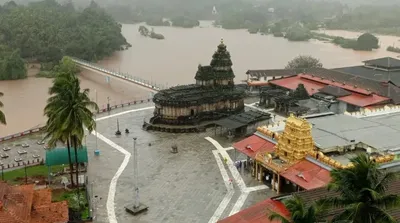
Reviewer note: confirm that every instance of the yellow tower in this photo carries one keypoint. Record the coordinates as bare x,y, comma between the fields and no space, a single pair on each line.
296,140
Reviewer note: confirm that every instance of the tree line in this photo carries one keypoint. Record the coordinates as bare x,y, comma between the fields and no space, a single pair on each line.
45,31
241,14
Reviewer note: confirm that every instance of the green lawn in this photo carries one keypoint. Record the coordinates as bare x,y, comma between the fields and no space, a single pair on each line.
33,171
71,197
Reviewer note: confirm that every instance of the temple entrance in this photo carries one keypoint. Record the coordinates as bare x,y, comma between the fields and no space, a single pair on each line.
191,112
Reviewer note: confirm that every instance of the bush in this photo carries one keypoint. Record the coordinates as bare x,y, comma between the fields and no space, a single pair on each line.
297,33
393,49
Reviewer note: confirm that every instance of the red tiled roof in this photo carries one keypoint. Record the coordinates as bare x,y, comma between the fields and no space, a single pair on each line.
56,212
257,213
363,100
292,83
41,197
20,204
307,175
254,144
359,97
17,204
335,83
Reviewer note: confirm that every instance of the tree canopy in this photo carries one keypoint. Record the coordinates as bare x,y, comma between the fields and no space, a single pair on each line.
12,66
362,190
298,33
2,116
46,31
303,62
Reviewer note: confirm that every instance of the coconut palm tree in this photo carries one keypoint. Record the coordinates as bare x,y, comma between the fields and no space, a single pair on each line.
362,193
80,116
69,110
299,212
2,116
55,131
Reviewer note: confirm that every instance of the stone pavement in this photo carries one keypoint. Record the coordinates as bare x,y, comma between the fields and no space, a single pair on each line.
183,187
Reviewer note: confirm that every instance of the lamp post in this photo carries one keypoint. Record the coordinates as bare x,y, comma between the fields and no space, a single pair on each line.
135,174
137,207
96,118
108,104
118,133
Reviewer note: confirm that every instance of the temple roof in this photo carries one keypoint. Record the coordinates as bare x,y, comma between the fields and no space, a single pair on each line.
220,66
385,62
185,95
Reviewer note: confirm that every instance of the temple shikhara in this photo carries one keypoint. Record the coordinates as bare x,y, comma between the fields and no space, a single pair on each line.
214,96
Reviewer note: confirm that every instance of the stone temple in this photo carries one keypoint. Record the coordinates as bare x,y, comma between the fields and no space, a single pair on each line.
193,107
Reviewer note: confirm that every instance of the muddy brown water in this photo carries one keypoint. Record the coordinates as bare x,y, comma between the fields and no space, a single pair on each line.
174,61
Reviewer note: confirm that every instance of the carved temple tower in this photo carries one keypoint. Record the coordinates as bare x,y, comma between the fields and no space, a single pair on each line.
296,140
212,97
219,72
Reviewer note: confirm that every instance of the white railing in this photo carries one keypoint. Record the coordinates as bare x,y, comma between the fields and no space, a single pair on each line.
124,76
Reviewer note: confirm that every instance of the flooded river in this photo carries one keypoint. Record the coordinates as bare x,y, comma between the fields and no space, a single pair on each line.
174,61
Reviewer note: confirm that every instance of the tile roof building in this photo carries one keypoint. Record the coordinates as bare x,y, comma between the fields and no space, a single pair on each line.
376,83
350,94
258,212
302,152
23,204
335,139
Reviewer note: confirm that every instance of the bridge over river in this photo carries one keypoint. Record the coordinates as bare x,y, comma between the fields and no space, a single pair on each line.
148,85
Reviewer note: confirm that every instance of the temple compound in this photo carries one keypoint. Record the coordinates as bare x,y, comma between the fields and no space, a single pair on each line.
298,154
191,107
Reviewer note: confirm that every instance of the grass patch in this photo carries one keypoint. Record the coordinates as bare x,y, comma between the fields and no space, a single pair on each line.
71,196
46,74
14,176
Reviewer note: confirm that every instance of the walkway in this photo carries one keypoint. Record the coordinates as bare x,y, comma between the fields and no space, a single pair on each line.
191,186
124,76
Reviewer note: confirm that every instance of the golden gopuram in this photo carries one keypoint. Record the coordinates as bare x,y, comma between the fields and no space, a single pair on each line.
293,145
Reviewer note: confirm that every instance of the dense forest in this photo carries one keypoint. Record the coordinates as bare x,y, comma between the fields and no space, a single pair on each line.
258,15
261,15
45,31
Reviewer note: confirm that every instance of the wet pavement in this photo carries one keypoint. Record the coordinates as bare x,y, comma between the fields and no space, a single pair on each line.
183,187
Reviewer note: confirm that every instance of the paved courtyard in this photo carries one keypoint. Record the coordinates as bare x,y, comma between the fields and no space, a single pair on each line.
190,186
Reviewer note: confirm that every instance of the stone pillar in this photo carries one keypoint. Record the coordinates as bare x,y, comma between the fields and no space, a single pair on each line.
279,184
253,171
273,181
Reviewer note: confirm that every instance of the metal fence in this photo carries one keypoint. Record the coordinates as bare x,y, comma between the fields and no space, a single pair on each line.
101,110
136,80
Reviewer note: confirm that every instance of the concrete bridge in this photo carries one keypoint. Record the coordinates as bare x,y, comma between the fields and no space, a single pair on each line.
153,87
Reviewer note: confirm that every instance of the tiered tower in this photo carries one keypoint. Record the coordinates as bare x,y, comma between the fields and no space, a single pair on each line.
296,140
219,72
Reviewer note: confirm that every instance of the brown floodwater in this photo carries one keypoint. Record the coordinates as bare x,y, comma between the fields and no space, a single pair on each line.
174,61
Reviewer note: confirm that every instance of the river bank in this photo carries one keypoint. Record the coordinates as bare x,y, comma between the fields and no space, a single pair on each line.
25,99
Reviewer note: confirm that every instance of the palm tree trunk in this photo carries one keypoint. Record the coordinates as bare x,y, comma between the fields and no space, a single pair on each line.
77,170
76,160
70,162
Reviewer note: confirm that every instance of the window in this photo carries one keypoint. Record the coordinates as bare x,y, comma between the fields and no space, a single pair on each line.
285,153
288,141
